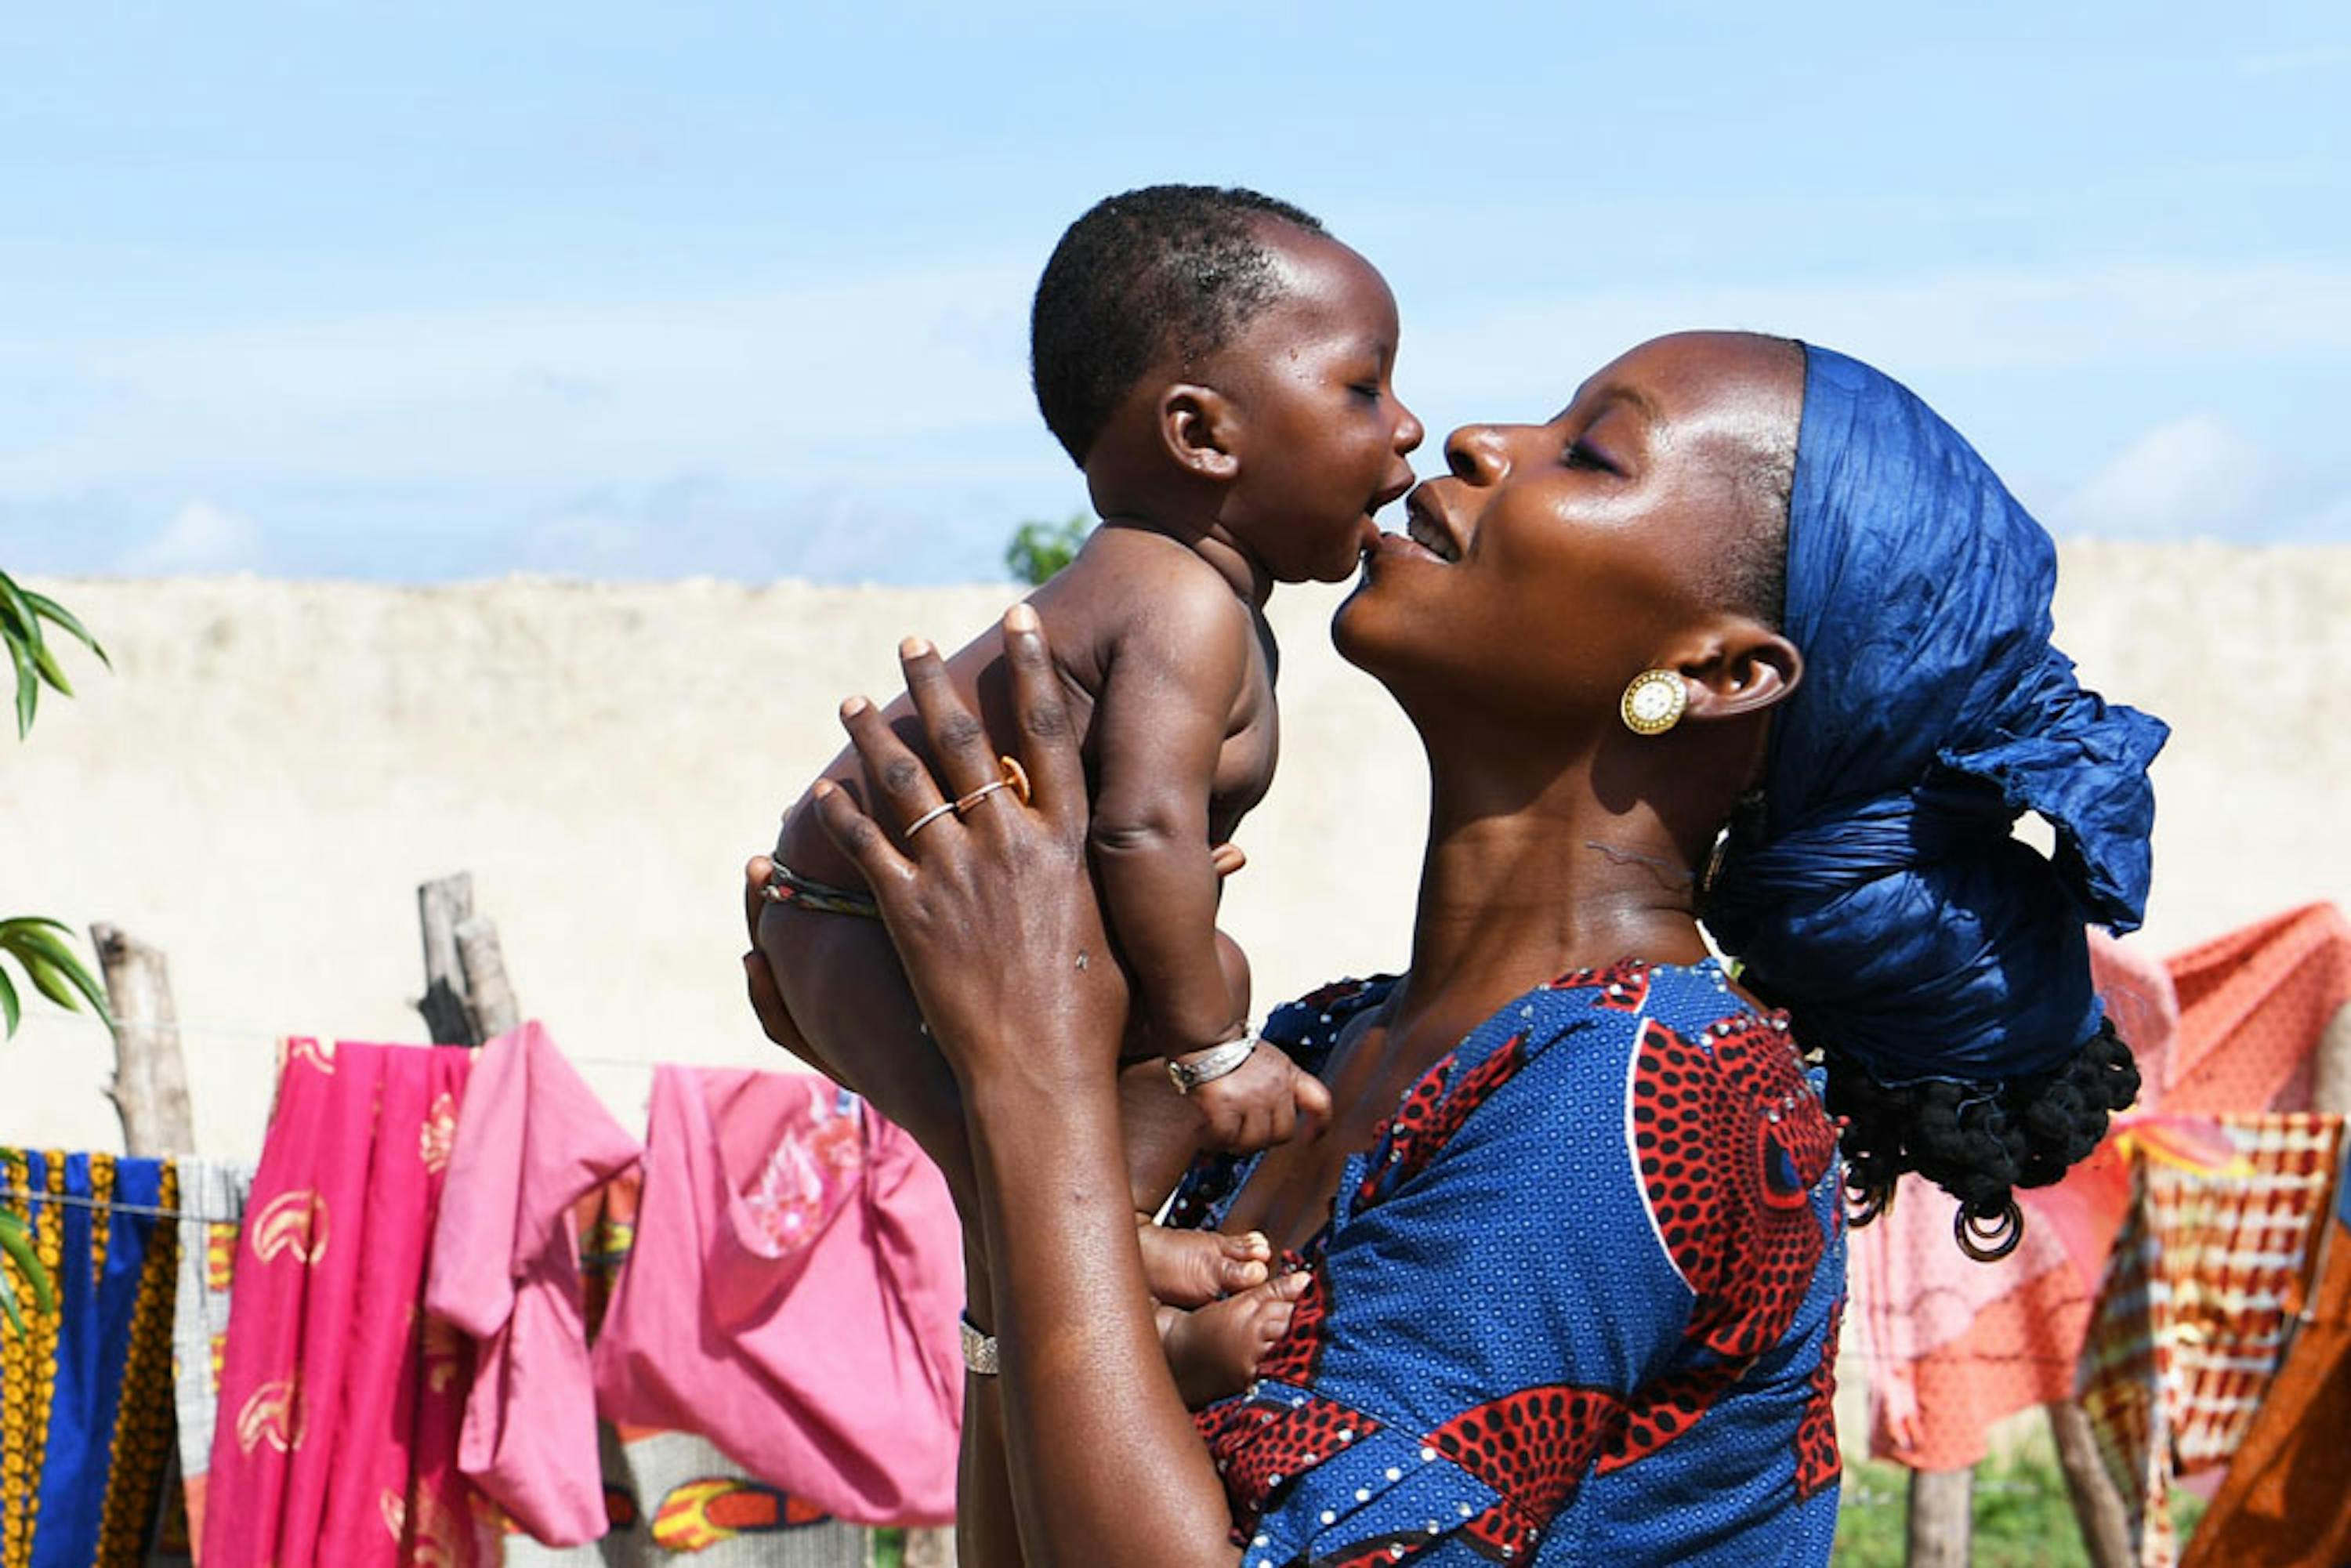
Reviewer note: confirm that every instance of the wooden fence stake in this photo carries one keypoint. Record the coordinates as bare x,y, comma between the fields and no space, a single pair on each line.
489,995
1942,1518
930,1549
2330,1087
150,1081
2097,1503
441,905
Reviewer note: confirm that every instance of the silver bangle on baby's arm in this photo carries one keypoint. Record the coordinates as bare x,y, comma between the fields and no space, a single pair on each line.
1198,1067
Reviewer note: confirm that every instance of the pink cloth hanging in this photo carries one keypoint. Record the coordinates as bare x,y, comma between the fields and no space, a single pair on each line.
531,1141
792,1295
339,1405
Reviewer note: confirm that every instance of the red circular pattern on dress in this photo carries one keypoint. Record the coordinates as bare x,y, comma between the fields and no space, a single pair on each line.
1532,1447
1818,1462
1730,1143
1260,1445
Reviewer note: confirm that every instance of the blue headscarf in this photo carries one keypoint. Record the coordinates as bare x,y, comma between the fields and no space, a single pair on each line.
1885,903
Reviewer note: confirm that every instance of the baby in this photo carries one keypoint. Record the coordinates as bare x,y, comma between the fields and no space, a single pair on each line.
1219,367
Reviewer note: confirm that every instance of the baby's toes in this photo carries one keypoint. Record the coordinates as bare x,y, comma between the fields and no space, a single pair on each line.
1193,1268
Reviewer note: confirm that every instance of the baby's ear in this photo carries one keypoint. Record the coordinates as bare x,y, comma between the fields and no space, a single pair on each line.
1197,426
1742,666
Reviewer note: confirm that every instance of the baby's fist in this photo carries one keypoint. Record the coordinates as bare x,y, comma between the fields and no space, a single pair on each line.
1260,1104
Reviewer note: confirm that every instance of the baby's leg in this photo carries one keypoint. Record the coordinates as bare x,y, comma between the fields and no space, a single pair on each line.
840,981
1214,1352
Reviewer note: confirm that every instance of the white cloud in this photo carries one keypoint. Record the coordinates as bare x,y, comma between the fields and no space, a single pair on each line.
2198,476
1974,320
200,538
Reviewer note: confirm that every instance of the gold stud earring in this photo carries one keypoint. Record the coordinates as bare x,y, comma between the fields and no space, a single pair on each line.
1653,702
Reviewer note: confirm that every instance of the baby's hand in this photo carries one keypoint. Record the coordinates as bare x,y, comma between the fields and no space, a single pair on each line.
1259,1104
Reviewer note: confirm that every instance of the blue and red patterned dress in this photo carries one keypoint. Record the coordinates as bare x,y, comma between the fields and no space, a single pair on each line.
1578,1302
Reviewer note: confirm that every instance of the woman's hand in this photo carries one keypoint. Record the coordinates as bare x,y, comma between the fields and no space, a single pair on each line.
989,903
993,911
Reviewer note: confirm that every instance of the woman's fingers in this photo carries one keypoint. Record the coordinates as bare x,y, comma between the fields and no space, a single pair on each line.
861,838
957,740
1226,859
903,790
1049,745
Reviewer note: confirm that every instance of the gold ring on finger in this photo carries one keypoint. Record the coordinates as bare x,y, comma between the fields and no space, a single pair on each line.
933,815
966,802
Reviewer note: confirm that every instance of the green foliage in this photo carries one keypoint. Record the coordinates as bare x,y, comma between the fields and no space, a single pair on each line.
2023,1517
21,613
1038,549
37,944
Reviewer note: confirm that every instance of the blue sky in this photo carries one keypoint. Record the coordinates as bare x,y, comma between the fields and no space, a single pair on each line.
440,291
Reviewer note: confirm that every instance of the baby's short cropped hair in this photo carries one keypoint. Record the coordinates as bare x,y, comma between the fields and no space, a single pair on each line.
1164,270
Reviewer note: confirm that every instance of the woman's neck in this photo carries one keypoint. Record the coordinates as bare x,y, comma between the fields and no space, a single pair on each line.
1516,891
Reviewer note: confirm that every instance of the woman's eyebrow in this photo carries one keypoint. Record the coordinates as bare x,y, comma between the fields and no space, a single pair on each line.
1624,393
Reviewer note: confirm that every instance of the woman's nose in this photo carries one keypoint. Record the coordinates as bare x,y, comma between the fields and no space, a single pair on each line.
1476,453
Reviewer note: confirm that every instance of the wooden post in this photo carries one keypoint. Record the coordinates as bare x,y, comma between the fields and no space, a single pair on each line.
150,1081
1942,1518
930,1549
2098,1502
441,906
2330,1086
467,1000
489,995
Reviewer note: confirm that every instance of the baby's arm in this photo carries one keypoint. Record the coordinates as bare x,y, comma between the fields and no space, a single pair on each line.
1166,705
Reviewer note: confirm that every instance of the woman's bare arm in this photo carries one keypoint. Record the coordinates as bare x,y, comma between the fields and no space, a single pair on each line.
1005,950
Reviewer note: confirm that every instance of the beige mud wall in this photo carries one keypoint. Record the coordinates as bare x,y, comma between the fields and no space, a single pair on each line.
273,766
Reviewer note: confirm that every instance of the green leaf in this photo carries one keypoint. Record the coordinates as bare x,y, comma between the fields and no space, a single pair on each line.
11,1009
47,662
17,1243
28,686
51,964
48,981
18,616
44,605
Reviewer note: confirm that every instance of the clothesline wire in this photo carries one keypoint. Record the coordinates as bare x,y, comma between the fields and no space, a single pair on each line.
217,1030
11,1194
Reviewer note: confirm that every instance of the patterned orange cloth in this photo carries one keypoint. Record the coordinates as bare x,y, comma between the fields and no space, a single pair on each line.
2285,1502
2199,1297
2251,1007
1952,1346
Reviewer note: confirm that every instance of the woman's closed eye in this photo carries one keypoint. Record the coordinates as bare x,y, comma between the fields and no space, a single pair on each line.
1584,454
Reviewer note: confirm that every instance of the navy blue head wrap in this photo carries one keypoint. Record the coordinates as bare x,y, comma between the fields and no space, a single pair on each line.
1884,902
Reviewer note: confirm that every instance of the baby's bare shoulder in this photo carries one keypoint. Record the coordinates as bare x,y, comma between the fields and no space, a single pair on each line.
1148,596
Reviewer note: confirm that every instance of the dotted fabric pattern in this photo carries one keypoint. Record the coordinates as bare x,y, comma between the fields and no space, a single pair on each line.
1577,1302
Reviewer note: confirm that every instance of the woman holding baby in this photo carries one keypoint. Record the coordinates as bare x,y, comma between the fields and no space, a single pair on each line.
1744,642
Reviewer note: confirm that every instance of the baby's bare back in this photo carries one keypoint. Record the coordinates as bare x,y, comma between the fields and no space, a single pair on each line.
838,974
1087,609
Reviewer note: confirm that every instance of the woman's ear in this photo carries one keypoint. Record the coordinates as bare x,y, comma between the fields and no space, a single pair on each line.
1741,667
1197,426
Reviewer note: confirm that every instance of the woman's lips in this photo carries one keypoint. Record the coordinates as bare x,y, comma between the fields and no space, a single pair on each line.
1387,546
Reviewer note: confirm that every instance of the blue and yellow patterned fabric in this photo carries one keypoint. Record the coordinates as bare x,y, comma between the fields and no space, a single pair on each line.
86,1395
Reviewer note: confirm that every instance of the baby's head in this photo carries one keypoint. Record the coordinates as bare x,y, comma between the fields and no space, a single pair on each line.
1215,354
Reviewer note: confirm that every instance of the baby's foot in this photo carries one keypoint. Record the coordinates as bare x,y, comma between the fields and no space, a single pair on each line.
1192,1267
1213,1351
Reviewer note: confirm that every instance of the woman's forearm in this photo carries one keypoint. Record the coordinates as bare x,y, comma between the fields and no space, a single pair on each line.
1105,1466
